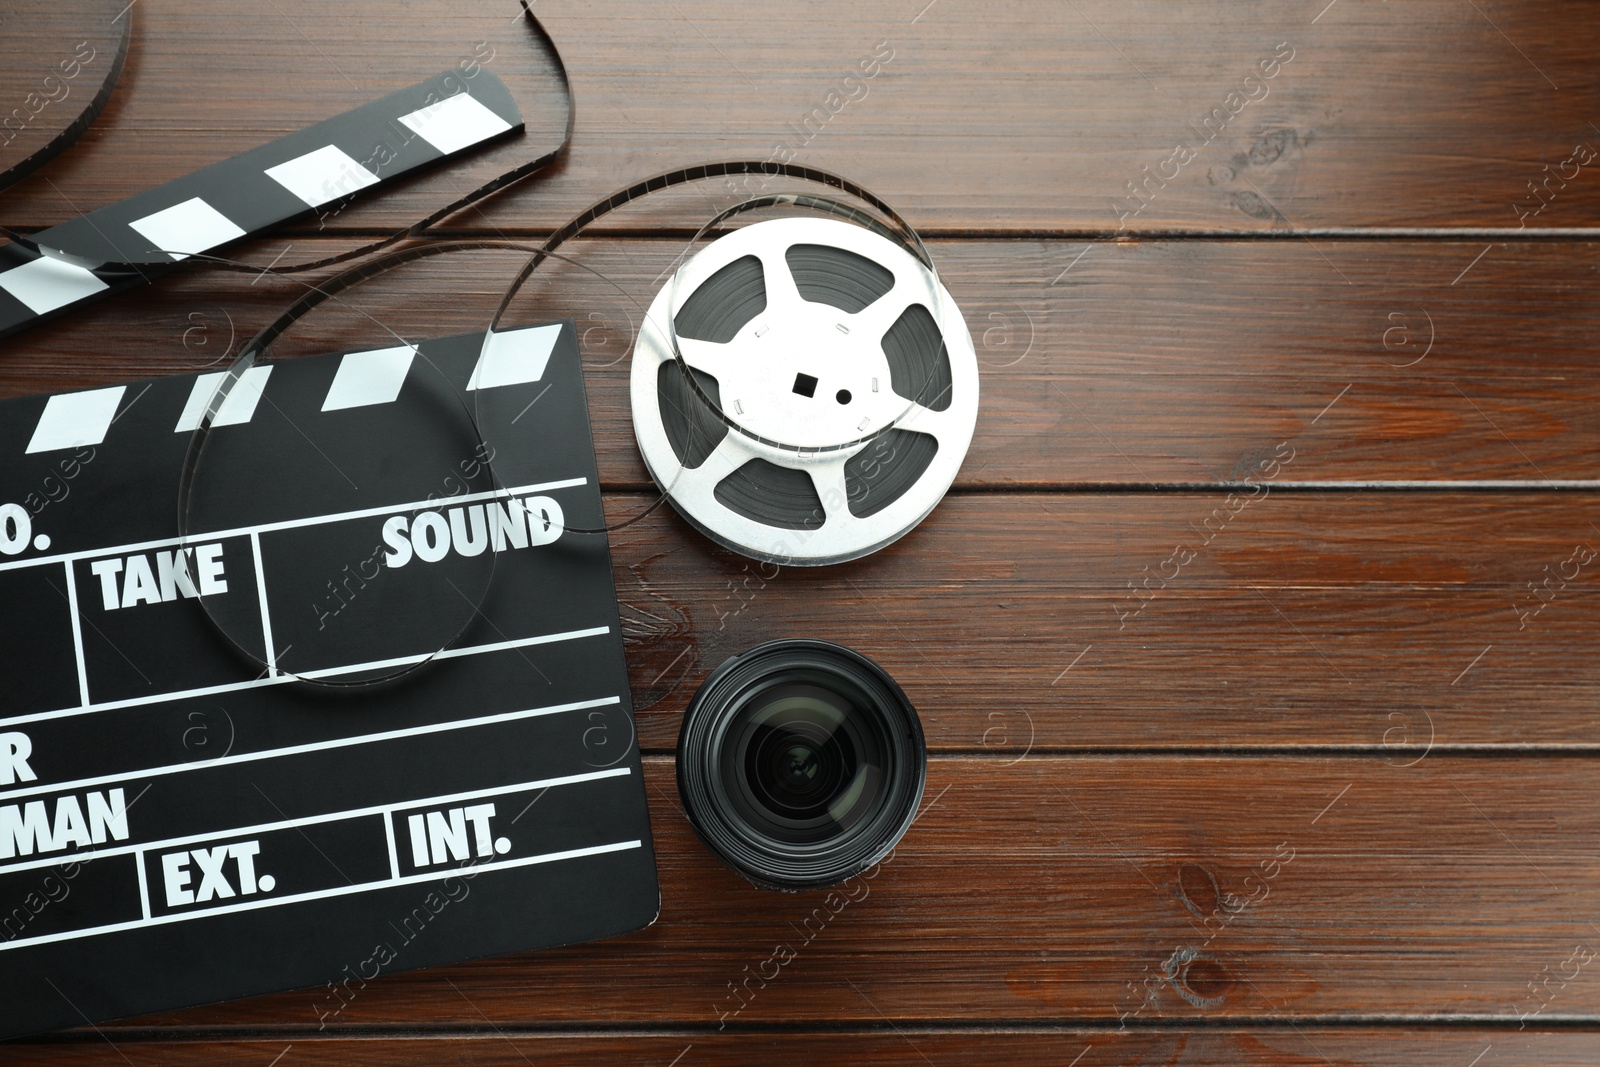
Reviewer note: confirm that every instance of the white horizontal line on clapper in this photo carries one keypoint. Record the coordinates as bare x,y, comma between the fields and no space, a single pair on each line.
332,672
322,894
228,834
312,746
296,524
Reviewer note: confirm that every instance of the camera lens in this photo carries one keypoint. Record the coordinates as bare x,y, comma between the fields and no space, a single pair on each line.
800,763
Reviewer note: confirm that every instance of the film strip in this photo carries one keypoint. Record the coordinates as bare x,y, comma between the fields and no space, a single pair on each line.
793,482
222,829
341,521
326,489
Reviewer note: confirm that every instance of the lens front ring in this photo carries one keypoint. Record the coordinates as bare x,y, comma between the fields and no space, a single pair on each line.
800,763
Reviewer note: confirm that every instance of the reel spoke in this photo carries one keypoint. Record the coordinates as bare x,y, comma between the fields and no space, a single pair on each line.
696,488
874,320
707,356
784,301
829,478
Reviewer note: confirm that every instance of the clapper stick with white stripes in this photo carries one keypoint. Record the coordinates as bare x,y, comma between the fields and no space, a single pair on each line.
132,241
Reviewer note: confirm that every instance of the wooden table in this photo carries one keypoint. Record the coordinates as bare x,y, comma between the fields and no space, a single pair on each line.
1254,644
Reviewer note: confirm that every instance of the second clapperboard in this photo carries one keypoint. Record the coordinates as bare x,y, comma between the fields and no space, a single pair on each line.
199,797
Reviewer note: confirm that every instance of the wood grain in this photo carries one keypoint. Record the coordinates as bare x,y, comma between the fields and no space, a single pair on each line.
1065,890
1381,621
1026,118
1122,371
1379,664
911,1046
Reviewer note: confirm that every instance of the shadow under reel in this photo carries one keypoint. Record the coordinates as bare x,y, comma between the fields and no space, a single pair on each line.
804,390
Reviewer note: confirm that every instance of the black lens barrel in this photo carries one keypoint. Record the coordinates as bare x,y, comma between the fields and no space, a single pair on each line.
800,763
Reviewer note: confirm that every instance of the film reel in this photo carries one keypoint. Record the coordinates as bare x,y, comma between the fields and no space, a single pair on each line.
804,390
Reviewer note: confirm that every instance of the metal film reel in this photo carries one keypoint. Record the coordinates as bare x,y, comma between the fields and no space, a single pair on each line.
804,390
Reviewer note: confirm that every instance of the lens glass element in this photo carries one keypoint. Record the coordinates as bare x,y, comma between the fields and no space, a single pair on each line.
804,762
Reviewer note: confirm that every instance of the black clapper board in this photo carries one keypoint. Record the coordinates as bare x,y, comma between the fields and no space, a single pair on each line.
316,168
184,818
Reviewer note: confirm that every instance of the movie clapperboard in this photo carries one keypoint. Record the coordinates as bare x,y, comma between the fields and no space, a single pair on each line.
365,711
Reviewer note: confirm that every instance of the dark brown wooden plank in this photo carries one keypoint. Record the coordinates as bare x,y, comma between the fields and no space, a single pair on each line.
1026,117
1126,371
1351,619
1306,1047
1436,900
1381,611
1053,889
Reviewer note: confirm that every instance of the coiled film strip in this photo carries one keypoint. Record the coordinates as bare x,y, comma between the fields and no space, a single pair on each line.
463,407
793,480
